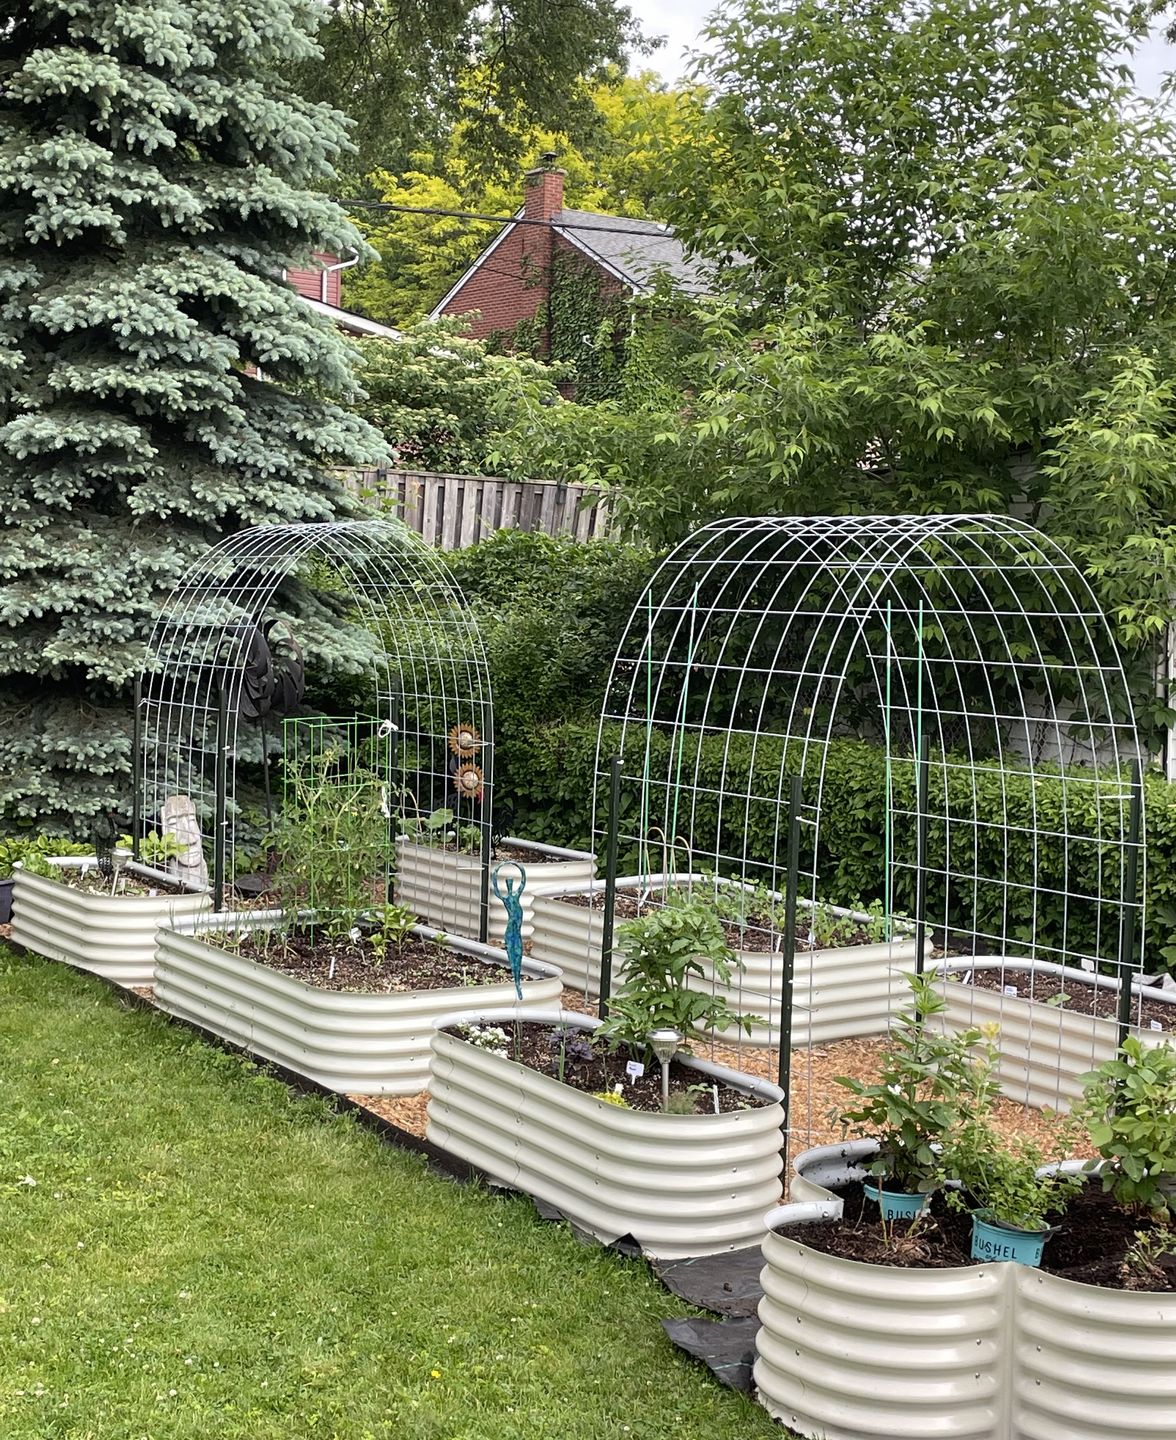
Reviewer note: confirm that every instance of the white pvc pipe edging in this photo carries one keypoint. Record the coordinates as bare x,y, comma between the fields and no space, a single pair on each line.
357,1043
679,1184
109,935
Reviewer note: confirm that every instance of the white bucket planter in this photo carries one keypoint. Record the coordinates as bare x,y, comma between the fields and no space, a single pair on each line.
110,935
849,1351
680,1184
1043,1048
837,993
367,1044
445,888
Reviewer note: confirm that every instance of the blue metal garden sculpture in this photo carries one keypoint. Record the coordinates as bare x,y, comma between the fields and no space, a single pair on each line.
511,896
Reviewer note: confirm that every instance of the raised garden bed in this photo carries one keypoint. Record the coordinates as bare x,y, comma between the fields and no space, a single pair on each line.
838,993
1058,1025
678,1184
444,887
372,1041
83,924
851,1350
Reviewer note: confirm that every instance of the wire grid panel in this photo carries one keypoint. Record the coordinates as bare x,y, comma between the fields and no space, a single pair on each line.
431,678
760,643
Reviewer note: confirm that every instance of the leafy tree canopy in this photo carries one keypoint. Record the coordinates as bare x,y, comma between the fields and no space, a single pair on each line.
612,170
407,72
945,232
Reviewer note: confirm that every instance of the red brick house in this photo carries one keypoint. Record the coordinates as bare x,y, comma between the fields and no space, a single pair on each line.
510,280
320,285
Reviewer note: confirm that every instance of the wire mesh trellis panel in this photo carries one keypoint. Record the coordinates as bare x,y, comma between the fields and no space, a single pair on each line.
950,699
214,687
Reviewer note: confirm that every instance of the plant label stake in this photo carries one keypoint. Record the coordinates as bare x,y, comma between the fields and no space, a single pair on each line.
511,895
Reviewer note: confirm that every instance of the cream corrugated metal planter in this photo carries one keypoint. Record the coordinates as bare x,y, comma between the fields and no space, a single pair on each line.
679,1184
849,1351
1043,1048
110,935
367,1044
837,993
445,888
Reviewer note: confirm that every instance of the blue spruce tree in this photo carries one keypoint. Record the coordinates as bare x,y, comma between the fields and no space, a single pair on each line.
160,385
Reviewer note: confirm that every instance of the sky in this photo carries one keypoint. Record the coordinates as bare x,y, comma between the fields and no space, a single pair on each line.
681,20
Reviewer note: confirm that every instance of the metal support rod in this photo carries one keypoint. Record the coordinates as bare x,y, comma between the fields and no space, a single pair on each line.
486,826
922,776
137,768
220,786
1129,962
788,951
610,885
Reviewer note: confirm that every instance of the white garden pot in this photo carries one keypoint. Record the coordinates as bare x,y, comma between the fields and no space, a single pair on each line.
110,935
445,888
679,1184
1043,1048
849,1351
359,1043
837,993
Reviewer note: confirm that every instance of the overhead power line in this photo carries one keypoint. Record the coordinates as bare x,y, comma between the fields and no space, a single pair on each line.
499,219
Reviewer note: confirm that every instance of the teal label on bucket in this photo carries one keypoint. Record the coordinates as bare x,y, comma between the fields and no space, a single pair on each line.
999,1242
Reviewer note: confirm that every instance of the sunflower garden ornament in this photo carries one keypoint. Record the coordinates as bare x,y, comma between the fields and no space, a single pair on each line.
464,740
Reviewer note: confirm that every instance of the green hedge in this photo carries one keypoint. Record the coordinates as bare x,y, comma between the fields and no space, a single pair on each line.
553,800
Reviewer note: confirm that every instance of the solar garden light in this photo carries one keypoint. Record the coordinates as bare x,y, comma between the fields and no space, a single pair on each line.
665,1045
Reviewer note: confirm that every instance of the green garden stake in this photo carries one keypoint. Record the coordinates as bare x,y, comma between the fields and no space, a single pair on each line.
513,901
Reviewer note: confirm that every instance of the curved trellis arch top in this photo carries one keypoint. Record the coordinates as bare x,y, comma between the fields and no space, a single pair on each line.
430,661
832,648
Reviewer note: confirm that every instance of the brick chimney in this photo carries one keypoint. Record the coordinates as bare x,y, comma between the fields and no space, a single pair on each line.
543,190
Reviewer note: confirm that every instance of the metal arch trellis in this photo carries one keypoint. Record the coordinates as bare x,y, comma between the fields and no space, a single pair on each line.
432,674
967,655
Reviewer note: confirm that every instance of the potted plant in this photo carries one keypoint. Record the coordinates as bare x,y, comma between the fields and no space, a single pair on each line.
102,914
913,1106
439,872
591,1130
1010,1185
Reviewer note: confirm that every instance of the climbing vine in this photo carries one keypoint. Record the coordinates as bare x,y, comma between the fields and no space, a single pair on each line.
583,328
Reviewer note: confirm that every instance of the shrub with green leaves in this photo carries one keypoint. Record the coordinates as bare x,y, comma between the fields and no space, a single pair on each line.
918,1098
1013,1179
664,949
1129,1107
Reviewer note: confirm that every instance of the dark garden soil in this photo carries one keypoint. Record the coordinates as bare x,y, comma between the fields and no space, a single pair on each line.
591,1068
757,938
1080,998
417,965
93,882
1090,1244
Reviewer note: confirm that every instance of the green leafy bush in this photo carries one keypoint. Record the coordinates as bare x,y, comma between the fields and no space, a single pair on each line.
1129,1106
663,950
918,1097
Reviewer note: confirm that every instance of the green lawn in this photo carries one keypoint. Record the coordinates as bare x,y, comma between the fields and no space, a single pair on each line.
203,1257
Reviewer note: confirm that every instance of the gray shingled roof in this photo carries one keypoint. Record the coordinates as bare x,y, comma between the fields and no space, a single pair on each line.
637,249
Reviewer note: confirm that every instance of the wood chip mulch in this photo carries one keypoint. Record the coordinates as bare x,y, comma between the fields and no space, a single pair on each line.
814,1091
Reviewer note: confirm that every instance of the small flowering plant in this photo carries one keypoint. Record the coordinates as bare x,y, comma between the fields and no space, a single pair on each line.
919,1096
492,1038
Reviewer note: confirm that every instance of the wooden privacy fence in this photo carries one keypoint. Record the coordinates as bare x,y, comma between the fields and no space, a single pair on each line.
452,511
